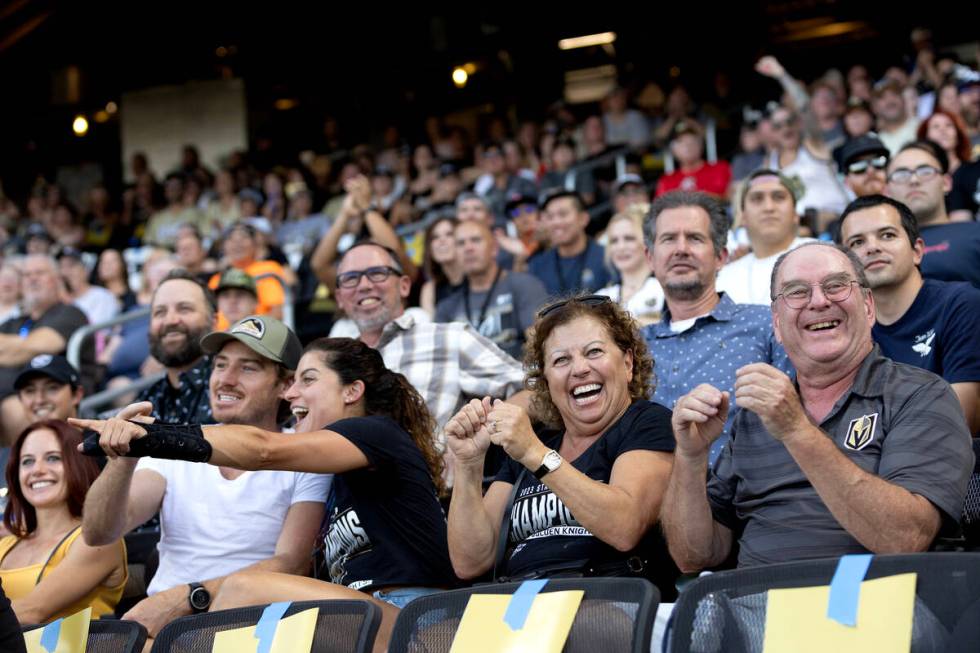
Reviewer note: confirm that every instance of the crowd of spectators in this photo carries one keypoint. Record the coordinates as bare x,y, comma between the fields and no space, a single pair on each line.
711,255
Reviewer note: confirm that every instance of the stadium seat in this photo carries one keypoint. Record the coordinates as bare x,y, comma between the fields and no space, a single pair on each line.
341,627
616,614
112,636
971,506
726,611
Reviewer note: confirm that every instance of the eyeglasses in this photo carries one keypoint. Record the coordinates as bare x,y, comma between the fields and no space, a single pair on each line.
860,167
903,176
375,275
525,209
782,124
588,300
798,296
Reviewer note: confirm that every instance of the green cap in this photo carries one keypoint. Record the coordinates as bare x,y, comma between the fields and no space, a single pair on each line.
235,278
264,335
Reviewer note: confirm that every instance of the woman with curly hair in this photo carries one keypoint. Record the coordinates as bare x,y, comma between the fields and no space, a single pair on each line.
385,535
582,499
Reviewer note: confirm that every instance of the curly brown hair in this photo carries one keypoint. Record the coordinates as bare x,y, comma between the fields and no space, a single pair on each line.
619,324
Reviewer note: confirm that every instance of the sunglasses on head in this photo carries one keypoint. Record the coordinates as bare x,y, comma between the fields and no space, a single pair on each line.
858,167
588,300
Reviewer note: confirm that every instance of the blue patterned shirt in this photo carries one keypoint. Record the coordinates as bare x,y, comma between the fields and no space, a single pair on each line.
710,351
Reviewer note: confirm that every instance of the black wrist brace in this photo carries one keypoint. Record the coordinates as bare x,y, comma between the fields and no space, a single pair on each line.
169,441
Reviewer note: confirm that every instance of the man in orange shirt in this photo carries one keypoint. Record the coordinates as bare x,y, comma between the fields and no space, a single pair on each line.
240,249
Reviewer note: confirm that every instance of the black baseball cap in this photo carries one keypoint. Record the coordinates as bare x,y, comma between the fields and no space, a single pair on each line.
53,367
861,146
264,335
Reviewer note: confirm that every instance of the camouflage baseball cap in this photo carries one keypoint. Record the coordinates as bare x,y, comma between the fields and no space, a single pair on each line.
264,335
235,278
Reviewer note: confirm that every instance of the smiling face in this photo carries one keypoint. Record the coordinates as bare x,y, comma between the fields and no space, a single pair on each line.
684,258
41,470
245,387
179,318
371,305
563,221
822,335
626,249
877,237
442,243
587,374
45,398
316,396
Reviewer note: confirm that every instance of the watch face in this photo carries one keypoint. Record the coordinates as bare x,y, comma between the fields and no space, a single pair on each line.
200,598
552,460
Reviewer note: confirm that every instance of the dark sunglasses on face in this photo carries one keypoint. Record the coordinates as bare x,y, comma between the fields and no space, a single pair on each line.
375,275
860,167
588,300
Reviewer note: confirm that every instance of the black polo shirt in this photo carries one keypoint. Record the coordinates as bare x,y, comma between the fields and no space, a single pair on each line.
899,422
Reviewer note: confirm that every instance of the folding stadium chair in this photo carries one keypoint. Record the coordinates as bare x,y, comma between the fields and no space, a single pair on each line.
616,614
971,506
341,627
725,612
112,636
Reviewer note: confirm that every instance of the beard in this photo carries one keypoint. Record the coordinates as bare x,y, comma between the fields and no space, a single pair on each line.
186,354
684,290
374,322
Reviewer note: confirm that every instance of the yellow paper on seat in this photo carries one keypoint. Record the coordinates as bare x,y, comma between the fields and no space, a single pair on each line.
71,639
483,630
294,634
796,619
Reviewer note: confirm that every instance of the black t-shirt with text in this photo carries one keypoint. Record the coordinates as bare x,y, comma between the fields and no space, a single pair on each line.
543,532
386,526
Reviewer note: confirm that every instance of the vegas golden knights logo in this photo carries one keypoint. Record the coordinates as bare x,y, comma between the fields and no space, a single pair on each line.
860,432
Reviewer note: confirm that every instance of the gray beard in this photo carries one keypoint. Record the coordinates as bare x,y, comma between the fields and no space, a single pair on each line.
375,323
685,291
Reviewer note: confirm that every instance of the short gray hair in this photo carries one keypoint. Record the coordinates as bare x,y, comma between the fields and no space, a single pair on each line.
717,217
859,274
469,195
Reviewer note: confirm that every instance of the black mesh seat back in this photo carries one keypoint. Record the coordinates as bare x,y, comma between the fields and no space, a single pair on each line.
112,636
616,614
971,504
341,627
726,611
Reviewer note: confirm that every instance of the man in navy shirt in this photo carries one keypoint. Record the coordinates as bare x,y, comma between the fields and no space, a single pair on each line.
918,177
574,262
923,322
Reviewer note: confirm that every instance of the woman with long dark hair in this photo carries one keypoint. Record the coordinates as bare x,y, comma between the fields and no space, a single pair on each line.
443,269
385,537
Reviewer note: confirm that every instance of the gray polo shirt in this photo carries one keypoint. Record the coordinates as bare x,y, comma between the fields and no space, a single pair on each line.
899,422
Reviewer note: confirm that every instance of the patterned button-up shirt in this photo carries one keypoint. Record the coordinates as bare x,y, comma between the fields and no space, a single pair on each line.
188,404
710,351
448,363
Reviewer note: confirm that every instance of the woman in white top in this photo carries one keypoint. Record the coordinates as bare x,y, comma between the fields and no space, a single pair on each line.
638,291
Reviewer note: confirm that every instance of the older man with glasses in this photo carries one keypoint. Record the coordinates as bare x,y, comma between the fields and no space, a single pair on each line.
860,454
918,177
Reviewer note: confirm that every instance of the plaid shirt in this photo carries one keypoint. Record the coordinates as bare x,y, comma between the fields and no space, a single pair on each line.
188,404
448,363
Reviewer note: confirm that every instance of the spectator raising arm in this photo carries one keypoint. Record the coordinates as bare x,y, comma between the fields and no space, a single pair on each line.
355,208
